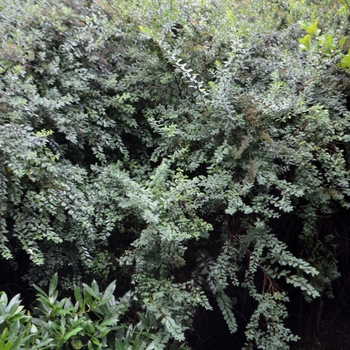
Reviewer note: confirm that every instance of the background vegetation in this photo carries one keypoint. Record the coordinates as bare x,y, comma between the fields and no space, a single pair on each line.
197,152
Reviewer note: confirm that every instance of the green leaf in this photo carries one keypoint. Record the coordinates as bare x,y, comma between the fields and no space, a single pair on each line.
13,306
91,292
53,284
71,333
41,292
7,346
4,334
3,301
312,28
76,344
108,294
95,341
345,62
328,42
14,331
119,345
110,321
43,344
78,296
341,43
305,42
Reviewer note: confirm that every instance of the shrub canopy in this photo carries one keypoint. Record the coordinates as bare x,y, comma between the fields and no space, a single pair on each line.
197,151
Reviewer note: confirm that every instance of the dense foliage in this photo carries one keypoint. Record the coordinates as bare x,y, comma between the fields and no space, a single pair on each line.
196,151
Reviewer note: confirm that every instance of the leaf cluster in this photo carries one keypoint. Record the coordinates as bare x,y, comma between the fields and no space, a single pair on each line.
169,146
